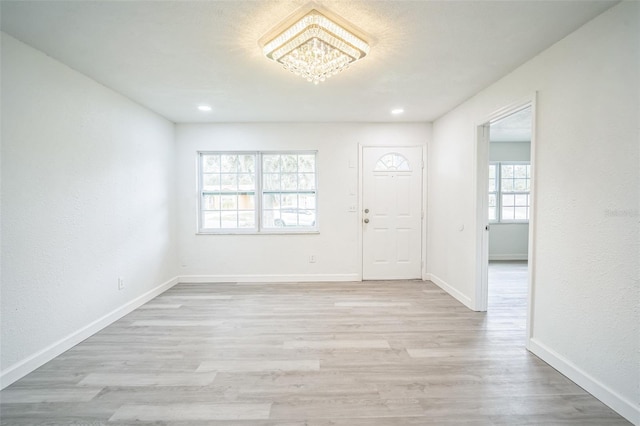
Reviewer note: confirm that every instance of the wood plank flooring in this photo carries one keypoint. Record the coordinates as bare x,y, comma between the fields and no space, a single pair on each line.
370,353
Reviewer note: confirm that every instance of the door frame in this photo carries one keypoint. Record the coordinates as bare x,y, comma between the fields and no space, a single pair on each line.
482,213
423,196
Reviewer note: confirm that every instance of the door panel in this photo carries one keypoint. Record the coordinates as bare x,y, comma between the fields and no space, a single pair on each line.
392,192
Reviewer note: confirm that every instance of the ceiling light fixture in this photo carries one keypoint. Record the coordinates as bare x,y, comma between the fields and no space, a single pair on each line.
313,45
397,111
204,108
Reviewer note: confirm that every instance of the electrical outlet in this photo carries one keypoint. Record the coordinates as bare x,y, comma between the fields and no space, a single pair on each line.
312,258
120,283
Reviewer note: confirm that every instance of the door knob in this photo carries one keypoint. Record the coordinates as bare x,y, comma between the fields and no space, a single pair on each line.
366,210
366,221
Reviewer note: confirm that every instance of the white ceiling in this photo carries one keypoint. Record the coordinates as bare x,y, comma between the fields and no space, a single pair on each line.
171,56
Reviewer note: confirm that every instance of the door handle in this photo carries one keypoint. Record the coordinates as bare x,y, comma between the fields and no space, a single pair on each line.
366,221
366,210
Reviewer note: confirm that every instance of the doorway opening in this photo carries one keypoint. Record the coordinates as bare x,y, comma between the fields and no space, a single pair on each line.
505,214
508,212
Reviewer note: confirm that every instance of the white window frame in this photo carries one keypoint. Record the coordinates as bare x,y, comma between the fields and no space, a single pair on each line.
499,192
259,227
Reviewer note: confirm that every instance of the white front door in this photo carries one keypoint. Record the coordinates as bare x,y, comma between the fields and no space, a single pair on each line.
392,213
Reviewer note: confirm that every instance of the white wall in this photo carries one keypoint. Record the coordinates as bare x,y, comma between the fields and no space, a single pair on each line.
283,257
586,260
87,197
509,241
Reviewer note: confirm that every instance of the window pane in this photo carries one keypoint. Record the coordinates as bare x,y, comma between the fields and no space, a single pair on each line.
211,220
306,181
271,201
508,200
521,213
492,171
521,184
229,202
268,218
229,219
306,218
307,163
229,163
246,219
289,200
270,163
507,213
492,213
492,200
307,201
492,185
289,182
246,201
289,163
211,182
229,182
522,200
506,171
211,202
246,182
506,185
211,163
247,163
520,171
271,182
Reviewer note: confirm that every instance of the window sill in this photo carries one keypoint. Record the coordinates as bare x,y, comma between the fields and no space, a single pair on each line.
269,232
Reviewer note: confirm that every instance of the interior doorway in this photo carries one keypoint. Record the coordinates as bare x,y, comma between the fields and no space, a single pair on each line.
505,197
509,201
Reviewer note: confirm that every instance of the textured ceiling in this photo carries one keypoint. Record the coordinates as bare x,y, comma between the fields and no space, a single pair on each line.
171,56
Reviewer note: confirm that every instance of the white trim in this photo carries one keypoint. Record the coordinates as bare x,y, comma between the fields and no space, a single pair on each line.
617,402
289,278
36,360
531,300
455,293
482,252
481,200
517,256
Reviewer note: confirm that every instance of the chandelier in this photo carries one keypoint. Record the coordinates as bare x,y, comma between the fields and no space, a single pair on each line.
314,46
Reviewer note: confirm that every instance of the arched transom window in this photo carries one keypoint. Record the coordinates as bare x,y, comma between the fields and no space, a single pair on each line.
393,162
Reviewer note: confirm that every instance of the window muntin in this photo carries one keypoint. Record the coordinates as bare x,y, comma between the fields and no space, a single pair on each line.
509,191
253,192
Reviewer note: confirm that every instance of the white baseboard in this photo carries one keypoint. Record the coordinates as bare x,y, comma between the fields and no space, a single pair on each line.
466,301
521,256
626,408
32,362
268,278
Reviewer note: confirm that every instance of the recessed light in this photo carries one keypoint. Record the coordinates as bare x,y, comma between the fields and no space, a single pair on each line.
397,111
204,108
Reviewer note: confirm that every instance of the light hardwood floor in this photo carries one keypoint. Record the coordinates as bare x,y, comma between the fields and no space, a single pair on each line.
370,353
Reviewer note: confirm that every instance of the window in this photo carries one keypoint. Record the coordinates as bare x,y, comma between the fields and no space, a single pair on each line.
253,192
393,161
509,197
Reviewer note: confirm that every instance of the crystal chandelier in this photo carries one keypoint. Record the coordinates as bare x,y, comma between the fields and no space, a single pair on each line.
314,46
